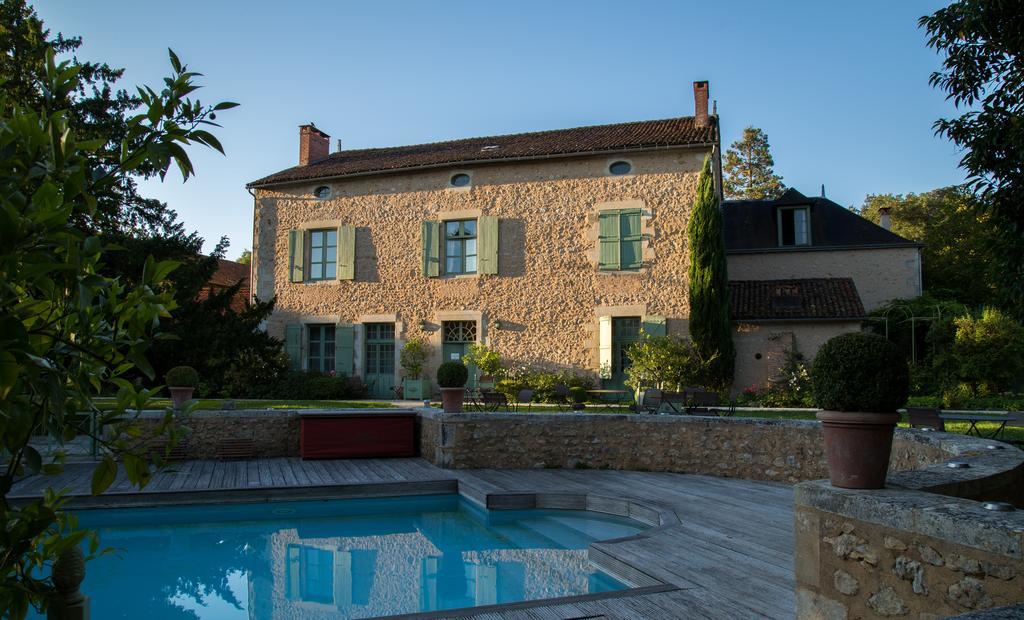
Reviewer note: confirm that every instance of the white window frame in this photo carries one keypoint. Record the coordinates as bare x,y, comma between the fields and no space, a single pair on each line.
807,226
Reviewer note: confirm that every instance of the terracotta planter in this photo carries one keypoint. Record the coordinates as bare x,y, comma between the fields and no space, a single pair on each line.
180,396
857,447
452,399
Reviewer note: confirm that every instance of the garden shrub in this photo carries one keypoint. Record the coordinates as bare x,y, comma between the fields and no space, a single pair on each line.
988,351
452,374
183,377
486,360
668,363
860,372
542,382
413,357
791,388
252,374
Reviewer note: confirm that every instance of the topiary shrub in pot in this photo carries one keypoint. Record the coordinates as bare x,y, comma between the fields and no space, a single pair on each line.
181,383
452,377
859,380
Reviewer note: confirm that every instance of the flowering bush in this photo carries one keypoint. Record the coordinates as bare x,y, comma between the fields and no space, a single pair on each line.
790,388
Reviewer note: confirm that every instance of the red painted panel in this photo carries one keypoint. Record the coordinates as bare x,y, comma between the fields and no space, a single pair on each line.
347,436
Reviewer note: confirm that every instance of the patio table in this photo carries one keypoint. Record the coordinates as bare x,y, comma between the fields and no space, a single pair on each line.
974,418
611,398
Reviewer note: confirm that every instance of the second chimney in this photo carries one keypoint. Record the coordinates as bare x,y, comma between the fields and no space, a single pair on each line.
883,218
700,104
314,144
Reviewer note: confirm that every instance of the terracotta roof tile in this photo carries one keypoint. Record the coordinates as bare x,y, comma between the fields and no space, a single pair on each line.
594,139
814,298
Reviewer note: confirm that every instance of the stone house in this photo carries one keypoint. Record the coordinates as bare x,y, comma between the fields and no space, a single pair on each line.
803,270
556,248
553,247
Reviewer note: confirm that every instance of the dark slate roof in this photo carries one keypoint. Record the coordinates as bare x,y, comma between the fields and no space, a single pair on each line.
750,225
814,298
594,139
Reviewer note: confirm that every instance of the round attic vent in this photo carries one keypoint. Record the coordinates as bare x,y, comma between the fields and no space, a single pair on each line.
460,180
620,167
322,193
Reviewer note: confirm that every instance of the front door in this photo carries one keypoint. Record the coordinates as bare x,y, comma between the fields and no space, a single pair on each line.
380,359
625,331
458,335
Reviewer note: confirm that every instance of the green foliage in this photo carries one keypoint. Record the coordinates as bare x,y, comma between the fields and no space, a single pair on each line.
961,397
413,357
860,372
245,258
791,388
667,363
710,324
452,374
988,351
958,258
209,331
981,71
487,360
311,385
182,376
748,168
67,331
254,376
542,382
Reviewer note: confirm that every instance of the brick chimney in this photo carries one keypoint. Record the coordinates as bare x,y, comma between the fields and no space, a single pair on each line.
700,104
883,218
314,144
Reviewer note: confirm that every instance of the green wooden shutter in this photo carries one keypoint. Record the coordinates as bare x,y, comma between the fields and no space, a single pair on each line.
346,253
608,238
604,341
344,348
654,325
293,345
431,249
296,252
488,249
630,240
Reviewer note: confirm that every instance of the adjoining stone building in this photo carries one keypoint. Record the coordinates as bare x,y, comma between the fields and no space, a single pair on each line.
555,248
803,270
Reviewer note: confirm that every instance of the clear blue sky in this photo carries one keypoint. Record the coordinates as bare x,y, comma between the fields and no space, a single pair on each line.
841,88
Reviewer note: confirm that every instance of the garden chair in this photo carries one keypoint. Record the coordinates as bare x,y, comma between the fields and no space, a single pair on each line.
523,397
650,402
562,397
701,401
673,403
492,401
926,418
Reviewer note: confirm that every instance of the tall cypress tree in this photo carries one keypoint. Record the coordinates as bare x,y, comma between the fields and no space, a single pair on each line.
710,326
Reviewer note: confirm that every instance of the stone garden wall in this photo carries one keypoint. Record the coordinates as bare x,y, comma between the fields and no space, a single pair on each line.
923,547
750,448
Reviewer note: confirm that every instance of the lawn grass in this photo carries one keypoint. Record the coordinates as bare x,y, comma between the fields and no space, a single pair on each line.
207,404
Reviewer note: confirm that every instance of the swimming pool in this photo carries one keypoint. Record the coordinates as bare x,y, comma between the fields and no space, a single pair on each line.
352,558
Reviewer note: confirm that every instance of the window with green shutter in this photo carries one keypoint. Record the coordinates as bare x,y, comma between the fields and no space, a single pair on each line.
460,246
620,240
323,254
321,348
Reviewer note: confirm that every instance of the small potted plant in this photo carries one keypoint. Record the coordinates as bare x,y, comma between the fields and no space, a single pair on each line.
181,383
412,359
579,397
859,380
452,377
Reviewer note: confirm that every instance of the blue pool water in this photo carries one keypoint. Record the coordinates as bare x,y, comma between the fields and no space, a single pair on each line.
338,559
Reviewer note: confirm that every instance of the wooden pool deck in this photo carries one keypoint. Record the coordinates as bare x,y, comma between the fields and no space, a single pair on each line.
724,549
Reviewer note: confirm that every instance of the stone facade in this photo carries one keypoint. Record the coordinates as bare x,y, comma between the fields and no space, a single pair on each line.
548,292
881,274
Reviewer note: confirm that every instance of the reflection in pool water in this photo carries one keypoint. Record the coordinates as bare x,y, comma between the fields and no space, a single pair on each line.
338,559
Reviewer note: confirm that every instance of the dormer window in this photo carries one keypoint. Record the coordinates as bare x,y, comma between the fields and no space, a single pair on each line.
794,226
